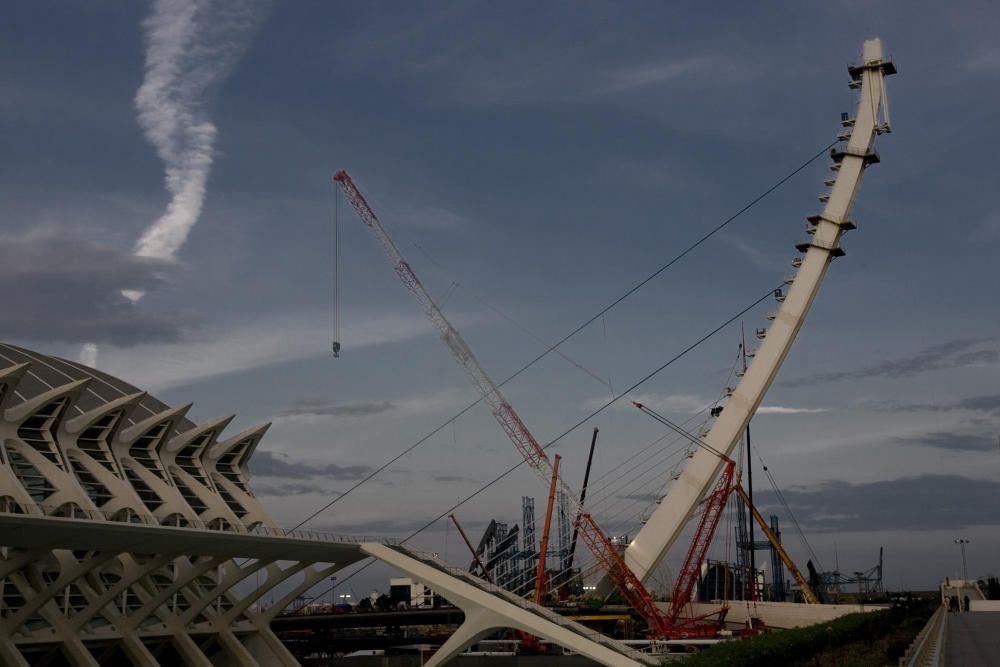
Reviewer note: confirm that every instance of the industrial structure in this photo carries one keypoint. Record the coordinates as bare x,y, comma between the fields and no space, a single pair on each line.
81,447
130,535
626,574
823,244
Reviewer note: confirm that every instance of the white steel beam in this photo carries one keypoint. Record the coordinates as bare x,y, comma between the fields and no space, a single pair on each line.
663,527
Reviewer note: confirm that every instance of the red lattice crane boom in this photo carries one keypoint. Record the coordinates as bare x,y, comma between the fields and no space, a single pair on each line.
604,551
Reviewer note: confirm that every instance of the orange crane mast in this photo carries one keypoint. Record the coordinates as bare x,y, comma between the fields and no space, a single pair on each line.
541,578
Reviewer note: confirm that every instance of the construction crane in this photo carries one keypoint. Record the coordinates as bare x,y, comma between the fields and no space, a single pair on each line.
583,498
714,504
475,554
541,578
629,586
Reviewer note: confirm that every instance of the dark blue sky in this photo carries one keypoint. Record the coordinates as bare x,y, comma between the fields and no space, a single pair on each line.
533,160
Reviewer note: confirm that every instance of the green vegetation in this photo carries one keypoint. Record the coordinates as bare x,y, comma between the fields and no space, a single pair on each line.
862,639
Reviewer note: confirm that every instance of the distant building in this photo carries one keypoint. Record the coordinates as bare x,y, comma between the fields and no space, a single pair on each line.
405,592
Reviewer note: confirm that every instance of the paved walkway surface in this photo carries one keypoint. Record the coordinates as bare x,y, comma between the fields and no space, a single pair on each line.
973,639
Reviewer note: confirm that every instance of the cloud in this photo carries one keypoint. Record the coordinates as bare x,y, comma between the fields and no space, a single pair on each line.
88,355
190,48
321,408
59,286
434,219
922,503
244,346
293,489
942,356
750,252
312,409
647,75
452,478
782,410
987,60
272,464
989,404
967,442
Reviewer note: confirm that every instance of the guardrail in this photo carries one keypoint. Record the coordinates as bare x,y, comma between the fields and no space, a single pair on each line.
187,523
927,649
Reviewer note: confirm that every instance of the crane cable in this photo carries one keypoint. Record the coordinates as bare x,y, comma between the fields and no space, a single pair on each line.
567,431
632,290
784,504
336,273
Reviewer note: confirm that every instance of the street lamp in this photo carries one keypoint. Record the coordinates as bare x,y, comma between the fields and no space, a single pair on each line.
965,566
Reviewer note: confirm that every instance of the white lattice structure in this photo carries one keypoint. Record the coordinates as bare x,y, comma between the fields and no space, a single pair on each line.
126,531
107,497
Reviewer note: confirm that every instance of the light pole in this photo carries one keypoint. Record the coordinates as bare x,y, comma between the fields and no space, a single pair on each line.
965,566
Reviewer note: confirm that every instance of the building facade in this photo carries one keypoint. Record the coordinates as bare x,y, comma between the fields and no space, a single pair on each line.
83,446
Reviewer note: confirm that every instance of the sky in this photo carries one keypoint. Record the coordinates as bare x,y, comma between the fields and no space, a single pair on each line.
168,216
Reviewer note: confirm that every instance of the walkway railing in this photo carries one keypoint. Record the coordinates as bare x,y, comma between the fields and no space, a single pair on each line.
126,516
927,649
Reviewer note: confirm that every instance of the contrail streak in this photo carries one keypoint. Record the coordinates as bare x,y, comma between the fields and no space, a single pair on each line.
191,46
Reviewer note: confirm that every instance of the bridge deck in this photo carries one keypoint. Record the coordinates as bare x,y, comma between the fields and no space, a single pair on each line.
29,531
973,639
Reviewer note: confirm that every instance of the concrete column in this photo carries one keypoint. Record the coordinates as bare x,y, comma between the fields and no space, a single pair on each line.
237,652
76,653
478,624
137,652
268,650
9,655
190,652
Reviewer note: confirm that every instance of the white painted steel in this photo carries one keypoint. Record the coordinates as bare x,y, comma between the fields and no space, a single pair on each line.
663,527
489,608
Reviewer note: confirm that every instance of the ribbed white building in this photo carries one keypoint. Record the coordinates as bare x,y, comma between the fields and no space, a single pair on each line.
129,536
84,453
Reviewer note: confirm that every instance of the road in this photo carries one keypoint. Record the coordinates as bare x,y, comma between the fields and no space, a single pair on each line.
973,639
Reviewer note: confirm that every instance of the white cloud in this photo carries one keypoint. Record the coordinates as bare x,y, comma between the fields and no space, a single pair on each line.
782,410
88,355
445,400
647,75
190,48
753,254
434,219
251,345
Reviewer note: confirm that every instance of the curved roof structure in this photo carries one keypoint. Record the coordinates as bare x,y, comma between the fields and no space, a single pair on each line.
83,452
47,372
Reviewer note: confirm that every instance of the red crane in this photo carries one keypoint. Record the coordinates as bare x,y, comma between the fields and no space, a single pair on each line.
715,504
628,584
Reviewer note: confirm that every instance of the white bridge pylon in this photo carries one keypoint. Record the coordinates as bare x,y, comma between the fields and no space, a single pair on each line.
664,526
489,609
